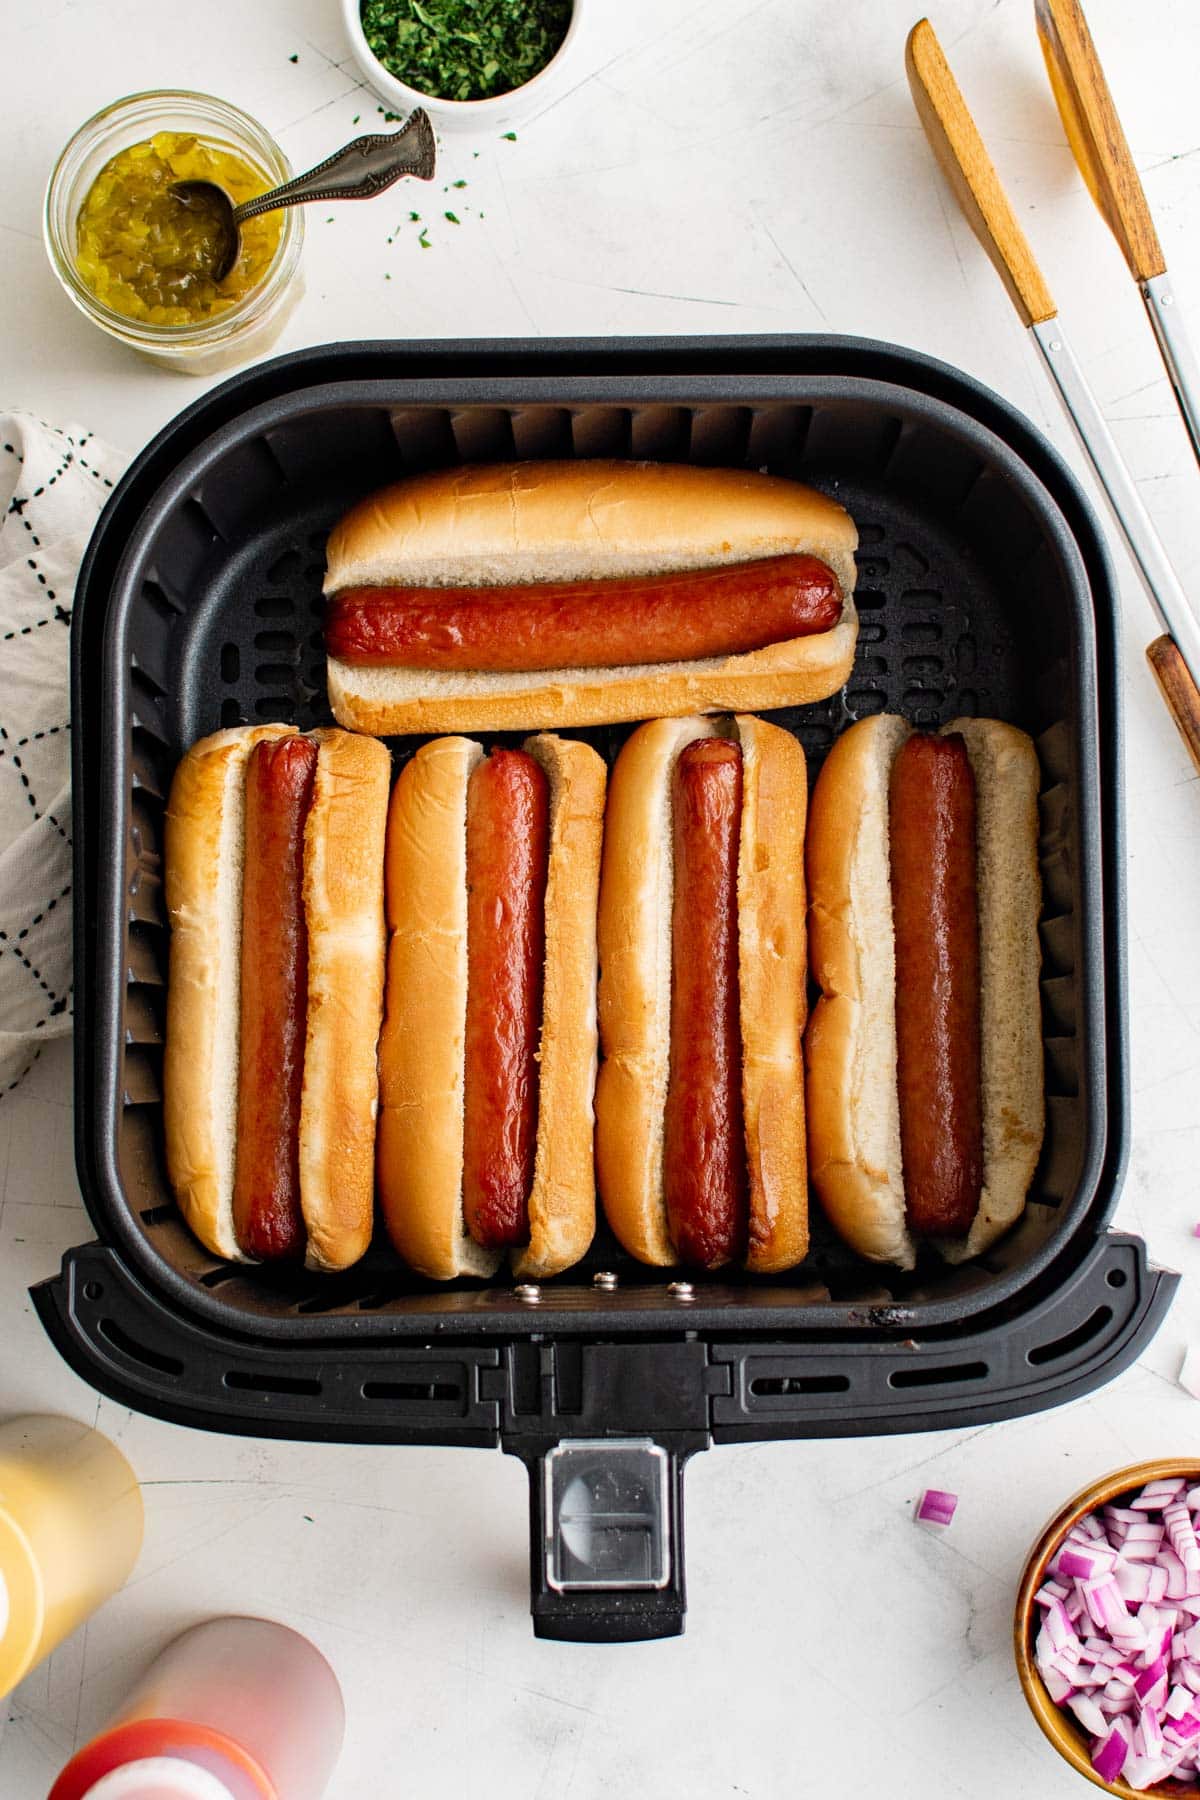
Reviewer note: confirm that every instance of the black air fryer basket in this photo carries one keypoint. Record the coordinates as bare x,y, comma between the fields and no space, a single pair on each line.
983,588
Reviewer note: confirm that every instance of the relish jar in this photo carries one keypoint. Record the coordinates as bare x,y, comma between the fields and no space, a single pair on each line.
251,323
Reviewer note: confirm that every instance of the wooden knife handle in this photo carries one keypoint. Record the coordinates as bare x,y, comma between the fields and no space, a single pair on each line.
1179,691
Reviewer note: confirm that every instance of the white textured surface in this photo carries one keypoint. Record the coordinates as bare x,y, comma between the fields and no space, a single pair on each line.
724,165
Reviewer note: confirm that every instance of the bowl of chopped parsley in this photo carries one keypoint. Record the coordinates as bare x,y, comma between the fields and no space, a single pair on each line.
474,63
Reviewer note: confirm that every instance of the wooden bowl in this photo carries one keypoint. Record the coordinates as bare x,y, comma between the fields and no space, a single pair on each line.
1059,1725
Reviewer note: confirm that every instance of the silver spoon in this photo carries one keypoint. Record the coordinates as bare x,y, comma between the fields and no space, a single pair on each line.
361,170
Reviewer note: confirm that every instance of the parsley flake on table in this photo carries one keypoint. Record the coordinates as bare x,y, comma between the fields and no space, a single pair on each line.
453,218
465,49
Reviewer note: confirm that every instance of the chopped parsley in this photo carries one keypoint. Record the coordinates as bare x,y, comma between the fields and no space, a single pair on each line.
454,218
465,49
423,240
510,137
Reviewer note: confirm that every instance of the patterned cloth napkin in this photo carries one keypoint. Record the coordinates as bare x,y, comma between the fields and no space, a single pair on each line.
52,485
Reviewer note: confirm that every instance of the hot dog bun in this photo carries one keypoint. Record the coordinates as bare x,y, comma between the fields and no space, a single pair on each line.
343,886
343,910
420,1143
530,522
636,892
850,1046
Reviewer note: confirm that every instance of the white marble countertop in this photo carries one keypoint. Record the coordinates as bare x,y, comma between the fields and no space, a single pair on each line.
722,166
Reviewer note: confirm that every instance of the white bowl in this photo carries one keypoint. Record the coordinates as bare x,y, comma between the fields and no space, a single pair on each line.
462,115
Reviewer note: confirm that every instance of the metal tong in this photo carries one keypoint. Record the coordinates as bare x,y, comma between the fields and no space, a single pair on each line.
1100,149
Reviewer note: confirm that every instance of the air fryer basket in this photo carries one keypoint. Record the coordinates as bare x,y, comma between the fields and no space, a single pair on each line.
975,596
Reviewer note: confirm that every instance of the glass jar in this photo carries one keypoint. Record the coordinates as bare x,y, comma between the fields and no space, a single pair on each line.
248,328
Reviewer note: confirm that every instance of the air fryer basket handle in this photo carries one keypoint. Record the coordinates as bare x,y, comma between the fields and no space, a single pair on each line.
606,1540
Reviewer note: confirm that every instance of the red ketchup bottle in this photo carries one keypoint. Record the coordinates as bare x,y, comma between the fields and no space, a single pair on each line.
235,1709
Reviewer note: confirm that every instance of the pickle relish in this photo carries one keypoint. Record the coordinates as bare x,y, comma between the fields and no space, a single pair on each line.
144,254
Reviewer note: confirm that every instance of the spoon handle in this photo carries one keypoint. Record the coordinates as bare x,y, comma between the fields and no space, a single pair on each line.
358,171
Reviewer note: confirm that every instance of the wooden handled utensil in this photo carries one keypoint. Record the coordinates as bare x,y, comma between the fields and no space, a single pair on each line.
1098,143
956,143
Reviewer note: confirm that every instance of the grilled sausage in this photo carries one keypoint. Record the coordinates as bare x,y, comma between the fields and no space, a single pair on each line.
274,982
935,915
586,624
508,806
704,1175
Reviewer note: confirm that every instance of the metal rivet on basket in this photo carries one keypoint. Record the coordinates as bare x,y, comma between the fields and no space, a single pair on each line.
681,1290
529,1293
604,1278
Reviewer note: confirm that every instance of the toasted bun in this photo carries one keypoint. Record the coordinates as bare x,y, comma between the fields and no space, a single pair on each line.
343,913
772,979
636,892
528,522
420,1157
420,1141
203,854
853,1105
1007,779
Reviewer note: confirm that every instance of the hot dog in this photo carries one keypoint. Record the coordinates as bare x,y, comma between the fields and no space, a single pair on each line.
700,1152
522,595
924,1053
935,919
484,858
274,980
508,802
582,624
704,1154
274,890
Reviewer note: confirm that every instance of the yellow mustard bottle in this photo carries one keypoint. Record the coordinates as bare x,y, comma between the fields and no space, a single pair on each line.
70,1532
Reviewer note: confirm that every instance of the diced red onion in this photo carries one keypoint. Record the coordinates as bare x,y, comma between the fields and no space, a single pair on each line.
1157,1494
1057,1625
1151,1729
1058,1686
1108,1754
1089,1715
1084,1564
1106,1604
1141,1549
937,1507
1179,1701
1119,1637
1176,1573
1182,1534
